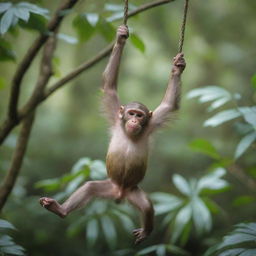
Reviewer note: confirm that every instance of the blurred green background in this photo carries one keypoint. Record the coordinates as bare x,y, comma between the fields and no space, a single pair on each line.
219,50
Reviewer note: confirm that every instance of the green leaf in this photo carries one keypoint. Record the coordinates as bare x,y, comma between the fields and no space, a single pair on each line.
243,200
92,232
83,28
35,22
236,239
248,252
21,13
113,7
98,170
137,42
81,164
232,252
109,231
6,52
212,181
126,221
13,250
56,66
106,30
33,8
244,144
176,250
5,6
254,81
6,241
181,220
49,184
222,117
147,250
115,16
165,203
211,205
249,114
6,225
205,147
181,184
211,93
7,20
74,184
67,38
201,216
92,18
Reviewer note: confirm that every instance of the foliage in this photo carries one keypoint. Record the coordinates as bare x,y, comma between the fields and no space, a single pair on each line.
163,250
7,245
193,209
220,96
240,242
31,16
101,217
13,13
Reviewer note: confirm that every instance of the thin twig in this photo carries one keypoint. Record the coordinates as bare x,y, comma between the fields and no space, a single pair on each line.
46,71
8,125
104,53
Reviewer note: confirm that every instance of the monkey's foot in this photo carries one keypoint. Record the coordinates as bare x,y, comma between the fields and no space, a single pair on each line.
52,206
140,234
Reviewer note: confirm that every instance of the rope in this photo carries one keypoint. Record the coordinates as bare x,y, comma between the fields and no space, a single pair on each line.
125,12
183,27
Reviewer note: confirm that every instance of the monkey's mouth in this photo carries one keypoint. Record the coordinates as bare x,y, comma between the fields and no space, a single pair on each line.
133,128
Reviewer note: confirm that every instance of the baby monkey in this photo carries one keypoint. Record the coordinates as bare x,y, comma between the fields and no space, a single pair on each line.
126,161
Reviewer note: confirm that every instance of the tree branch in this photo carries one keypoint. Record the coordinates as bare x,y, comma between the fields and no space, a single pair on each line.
44,76
17,159
29,57
104,53
9,124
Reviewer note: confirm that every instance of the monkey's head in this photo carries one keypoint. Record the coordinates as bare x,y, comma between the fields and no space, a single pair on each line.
134,117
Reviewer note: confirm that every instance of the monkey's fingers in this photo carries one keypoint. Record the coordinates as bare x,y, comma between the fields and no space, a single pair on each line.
123,31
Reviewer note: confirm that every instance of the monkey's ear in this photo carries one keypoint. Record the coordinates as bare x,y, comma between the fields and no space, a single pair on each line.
121,111
150,113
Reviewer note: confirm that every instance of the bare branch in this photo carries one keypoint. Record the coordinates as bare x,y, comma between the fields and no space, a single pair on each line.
10,124
29,57
17,159
104,53
44,74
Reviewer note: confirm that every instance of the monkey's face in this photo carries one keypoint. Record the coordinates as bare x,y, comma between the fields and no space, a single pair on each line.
134,120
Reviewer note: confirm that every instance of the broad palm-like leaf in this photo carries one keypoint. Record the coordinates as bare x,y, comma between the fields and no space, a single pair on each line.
192,208
240,242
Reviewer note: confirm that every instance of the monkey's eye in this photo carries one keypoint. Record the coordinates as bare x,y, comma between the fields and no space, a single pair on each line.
139,115
131,113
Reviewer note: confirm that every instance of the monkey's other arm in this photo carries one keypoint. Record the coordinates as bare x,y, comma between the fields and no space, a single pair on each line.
110,75
171,99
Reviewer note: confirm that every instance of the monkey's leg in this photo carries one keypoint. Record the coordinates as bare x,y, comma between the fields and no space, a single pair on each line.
139,199
81,197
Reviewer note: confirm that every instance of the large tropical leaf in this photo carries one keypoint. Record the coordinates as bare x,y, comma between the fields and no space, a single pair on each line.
240,242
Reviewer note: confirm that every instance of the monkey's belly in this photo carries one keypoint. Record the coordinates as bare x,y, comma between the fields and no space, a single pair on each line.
124,171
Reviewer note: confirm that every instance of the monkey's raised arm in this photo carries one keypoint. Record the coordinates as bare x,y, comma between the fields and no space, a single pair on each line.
171,99
110,75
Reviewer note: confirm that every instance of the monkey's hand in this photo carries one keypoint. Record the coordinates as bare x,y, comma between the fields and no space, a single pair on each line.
140,234
179,64
122,34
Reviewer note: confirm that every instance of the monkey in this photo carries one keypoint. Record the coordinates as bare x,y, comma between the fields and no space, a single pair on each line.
131,127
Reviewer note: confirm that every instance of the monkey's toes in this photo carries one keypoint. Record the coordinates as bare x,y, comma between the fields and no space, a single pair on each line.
139,234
